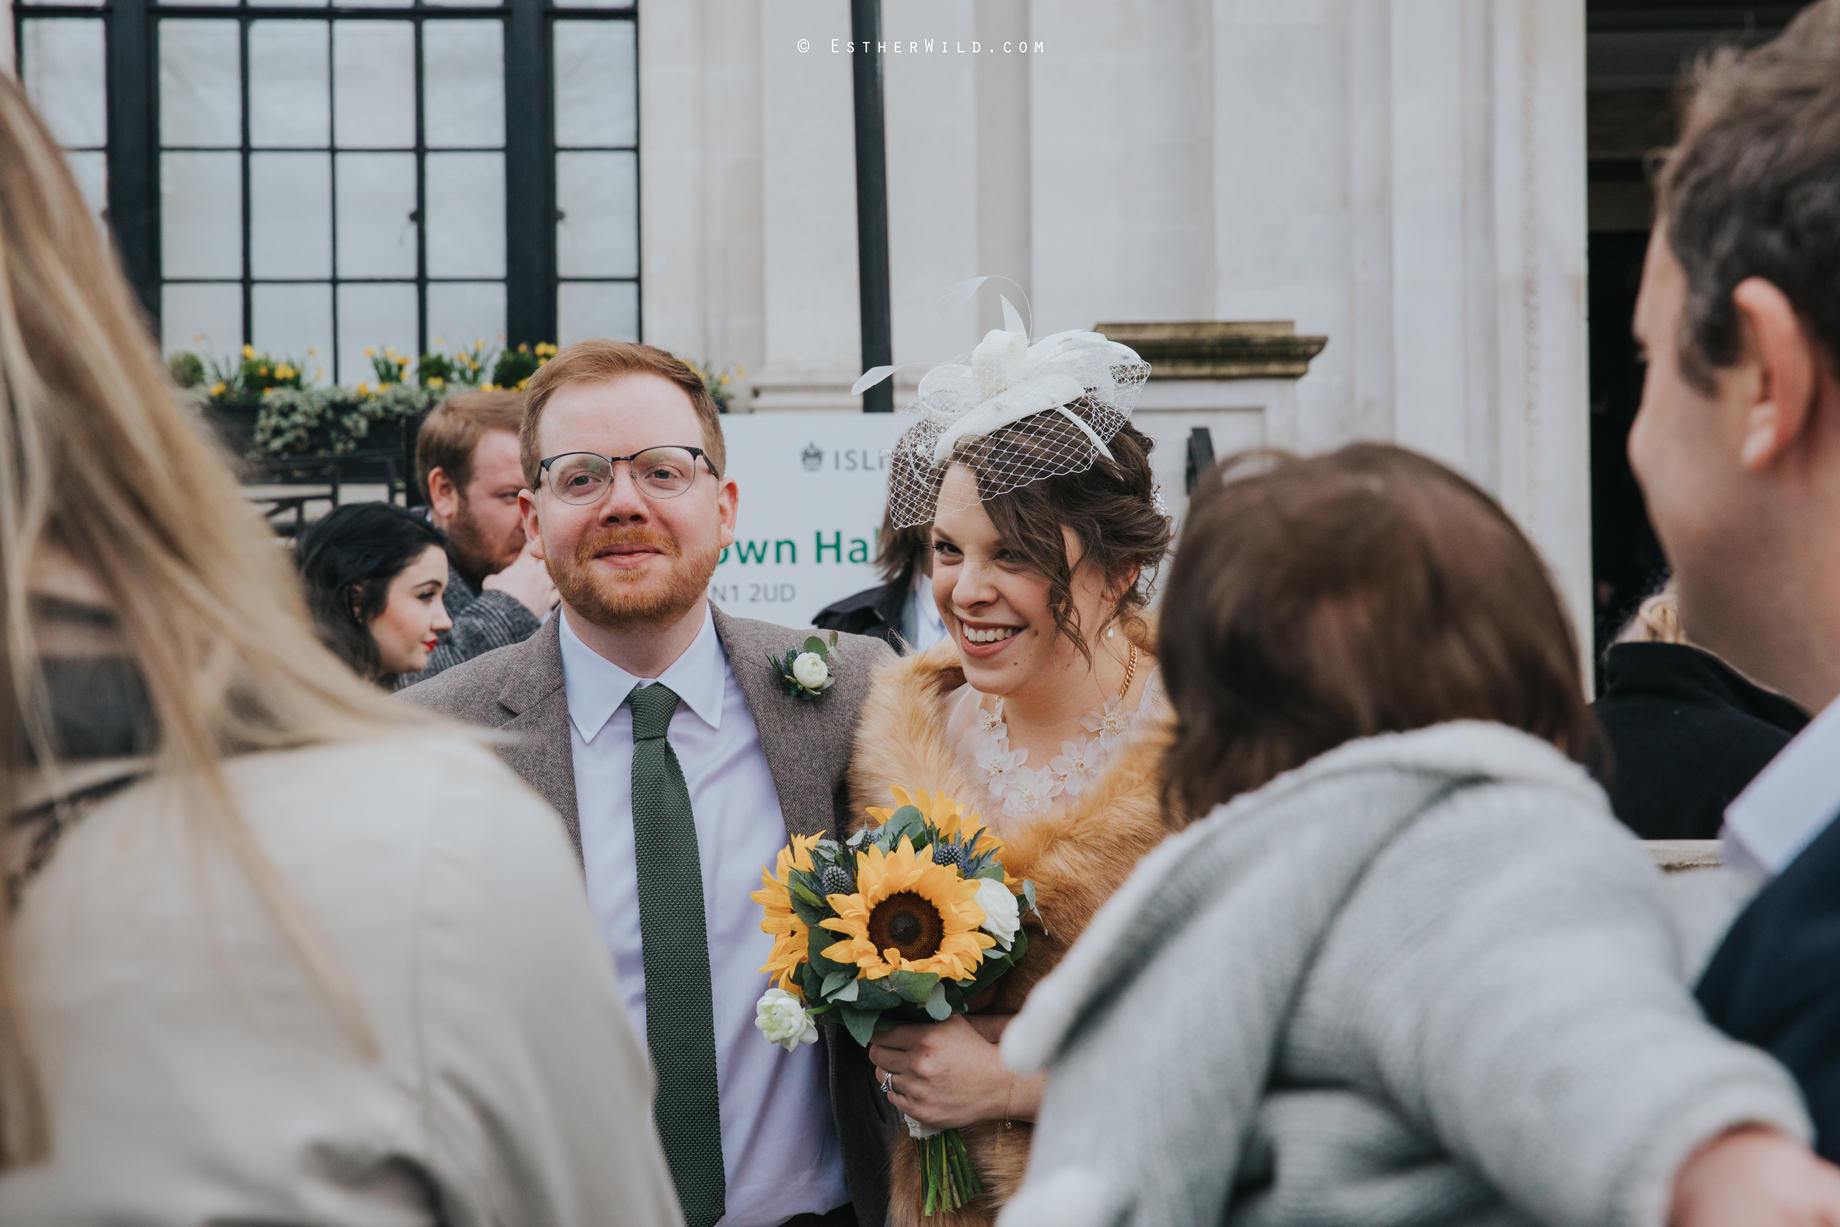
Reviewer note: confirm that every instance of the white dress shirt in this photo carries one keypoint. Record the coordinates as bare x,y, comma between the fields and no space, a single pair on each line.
779,1142
922,626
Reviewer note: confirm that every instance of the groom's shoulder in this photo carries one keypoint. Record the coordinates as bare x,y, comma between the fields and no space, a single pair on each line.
472,690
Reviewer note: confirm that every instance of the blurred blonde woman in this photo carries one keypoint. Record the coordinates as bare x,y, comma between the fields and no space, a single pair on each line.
273,949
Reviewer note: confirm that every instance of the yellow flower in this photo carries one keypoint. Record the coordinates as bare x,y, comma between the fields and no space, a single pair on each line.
488,387
217,389
438,342
435,381
363,389
908,915
370,353
789,932
261,370
249,351
946,814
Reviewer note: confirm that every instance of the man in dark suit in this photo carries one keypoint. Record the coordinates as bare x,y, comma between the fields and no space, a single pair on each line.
663,733
1737,448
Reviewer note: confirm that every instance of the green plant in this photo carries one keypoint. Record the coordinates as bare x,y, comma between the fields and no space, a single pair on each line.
717,384
289,417
389,366
187,369
515,366
261,373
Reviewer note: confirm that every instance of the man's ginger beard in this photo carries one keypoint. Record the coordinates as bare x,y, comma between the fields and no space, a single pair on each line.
611,599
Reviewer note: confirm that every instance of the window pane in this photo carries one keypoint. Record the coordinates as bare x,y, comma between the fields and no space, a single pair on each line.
587,309
201,214
466,214
463,84
481,4
293,321
200,96
594,4
304,4
290,214
288,95
376,207
374,73
206,319
596,103
598,197
375,317
63,63
463,312
90,168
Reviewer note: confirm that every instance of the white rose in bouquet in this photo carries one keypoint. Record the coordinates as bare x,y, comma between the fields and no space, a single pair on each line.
1002,915
783,1018
810,671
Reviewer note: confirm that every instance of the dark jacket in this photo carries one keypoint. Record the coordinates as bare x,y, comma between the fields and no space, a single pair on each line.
873,611
1774,982
1687,733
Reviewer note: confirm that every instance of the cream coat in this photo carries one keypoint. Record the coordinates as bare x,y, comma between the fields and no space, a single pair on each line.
196,1073
1076,856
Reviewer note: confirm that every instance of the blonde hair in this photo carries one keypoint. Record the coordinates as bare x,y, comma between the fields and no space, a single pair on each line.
1656,620
99,461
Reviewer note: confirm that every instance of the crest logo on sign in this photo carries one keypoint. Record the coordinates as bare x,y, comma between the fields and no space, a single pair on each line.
813,457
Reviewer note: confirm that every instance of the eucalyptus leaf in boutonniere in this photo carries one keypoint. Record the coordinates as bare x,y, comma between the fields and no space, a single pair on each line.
807,672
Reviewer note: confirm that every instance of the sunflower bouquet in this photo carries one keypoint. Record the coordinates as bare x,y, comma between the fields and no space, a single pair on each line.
909,921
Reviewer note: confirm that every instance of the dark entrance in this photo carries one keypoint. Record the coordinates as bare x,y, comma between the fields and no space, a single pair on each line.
1634,53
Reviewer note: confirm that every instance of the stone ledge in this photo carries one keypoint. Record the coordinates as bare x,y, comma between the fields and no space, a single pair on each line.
1678,855
1219,349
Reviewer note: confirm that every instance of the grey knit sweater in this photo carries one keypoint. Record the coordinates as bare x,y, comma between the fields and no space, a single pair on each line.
1424,979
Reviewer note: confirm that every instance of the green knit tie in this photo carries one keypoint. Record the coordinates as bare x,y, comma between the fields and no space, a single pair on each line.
679,1020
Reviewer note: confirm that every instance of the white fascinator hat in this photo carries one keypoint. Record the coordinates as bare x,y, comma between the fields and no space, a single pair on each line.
1014,411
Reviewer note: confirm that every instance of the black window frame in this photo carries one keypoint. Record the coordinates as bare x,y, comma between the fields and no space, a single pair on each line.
532,281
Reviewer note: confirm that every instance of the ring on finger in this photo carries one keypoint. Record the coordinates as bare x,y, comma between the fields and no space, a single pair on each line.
888,1084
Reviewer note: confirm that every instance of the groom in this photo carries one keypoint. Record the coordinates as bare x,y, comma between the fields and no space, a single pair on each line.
661,732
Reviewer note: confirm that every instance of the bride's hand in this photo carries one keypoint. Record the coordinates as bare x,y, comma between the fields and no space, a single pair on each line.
947,1075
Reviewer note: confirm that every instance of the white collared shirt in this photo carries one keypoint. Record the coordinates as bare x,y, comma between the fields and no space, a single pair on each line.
923,625
779,1142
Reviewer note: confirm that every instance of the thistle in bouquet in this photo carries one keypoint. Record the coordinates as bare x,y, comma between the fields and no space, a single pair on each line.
909,921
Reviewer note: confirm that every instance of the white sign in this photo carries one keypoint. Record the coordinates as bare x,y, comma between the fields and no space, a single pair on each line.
812,489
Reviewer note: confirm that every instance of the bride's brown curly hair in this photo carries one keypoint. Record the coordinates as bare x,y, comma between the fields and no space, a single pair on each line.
1111,509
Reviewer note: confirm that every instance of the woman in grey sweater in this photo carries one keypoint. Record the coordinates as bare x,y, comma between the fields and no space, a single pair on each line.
1405,969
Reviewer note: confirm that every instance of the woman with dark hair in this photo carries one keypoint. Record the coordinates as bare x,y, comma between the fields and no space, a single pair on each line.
1402,967
1043,710
374,574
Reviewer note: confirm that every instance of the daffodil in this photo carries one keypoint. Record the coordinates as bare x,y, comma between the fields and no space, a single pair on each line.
217,389
435,381
249,351
363,390
790,934
370,353
908,914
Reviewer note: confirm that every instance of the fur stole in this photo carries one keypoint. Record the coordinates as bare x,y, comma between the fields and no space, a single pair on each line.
1077,857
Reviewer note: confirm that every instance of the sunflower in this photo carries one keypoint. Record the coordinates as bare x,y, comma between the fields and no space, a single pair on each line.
790,934
948,818
908,915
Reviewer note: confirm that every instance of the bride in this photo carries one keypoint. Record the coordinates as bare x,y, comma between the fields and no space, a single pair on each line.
1043,712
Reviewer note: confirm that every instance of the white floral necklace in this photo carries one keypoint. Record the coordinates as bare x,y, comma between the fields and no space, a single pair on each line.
1027,791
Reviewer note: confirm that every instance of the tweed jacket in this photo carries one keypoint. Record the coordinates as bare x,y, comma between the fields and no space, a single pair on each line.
519,691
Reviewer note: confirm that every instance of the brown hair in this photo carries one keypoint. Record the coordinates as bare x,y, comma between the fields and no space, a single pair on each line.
1370,590
450,435
598,361
1752,188
898,551
1110,508
103,468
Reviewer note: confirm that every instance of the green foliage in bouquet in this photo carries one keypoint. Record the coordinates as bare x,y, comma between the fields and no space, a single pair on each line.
515,366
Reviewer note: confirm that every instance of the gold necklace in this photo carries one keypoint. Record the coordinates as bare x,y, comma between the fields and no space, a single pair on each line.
1130,671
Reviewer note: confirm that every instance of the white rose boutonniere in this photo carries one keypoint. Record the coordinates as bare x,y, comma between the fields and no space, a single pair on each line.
1002,914
807,672
783,1019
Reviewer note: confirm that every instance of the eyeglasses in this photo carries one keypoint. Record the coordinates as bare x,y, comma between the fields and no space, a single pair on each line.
659,472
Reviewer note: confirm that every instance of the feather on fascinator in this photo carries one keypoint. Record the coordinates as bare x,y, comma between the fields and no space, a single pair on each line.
1074,390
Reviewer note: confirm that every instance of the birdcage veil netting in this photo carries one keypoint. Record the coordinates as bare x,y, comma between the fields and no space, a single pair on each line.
1012,413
